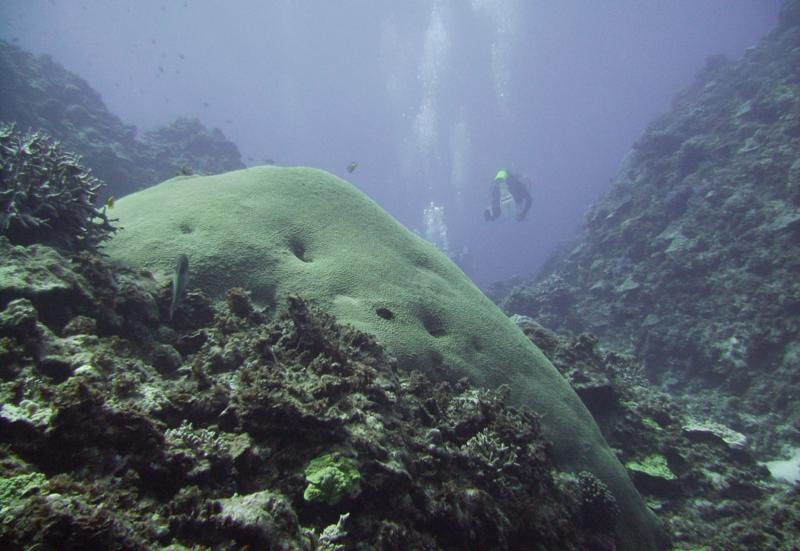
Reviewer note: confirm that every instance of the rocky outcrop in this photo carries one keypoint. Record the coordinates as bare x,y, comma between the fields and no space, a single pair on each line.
36,93
691,260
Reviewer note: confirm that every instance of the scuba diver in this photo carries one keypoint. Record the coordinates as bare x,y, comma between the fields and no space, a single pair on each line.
510,197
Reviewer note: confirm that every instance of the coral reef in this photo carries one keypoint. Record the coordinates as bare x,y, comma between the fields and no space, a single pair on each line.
691,260
46,195
187,147
700,476
278,232
99,443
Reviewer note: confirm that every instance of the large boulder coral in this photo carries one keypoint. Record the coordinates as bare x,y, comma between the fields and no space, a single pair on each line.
284,231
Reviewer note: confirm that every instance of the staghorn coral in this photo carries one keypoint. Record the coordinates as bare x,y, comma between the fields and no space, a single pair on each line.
46,195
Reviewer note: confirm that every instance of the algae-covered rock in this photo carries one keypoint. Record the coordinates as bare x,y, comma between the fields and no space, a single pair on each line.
653,475
283,231
331,478
13,488
715,432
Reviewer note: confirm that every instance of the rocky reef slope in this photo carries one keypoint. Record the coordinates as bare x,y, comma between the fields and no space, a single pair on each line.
231,429
697,474
691,261
38,94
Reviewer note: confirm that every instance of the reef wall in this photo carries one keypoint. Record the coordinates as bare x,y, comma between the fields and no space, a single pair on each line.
691,260
39,94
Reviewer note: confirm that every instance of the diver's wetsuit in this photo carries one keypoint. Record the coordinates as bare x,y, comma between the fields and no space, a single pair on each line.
518,191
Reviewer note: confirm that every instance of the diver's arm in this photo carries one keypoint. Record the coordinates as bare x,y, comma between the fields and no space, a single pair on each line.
493,212
526,206
495,199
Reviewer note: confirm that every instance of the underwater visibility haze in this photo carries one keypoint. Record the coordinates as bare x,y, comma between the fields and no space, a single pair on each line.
431,97
431,274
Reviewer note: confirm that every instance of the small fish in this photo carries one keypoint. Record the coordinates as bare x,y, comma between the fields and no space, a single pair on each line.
179,280
110,202
352,166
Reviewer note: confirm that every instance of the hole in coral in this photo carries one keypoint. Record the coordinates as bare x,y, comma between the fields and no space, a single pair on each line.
475,341
299,250
433,325
55,368
385,313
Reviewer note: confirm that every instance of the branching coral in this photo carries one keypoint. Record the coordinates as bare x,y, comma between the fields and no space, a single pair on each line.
599,507
491,449
46,195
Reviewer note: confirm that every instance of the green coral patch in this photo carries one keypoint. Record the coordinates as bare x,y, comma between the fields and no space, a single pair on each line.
331,478
16,487
653,465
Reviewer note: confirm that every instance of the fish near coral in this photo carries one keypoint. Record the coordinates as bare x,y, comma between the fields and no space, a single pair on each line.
179,279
